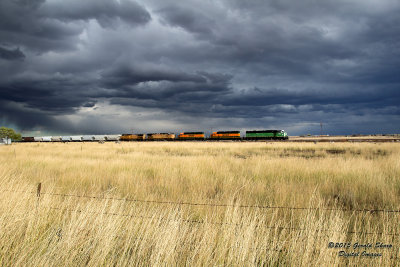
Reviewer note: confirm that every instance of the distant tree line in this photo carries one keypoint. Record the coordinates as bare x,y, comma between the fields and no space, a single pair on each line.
10,133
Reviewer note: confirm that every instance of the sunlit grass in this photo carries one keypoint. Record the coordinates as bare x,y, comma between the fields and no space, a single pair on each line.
61,230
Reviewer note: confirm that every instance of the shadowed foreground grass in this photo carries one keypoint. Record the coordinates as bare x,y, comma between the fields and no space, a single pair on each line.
333,180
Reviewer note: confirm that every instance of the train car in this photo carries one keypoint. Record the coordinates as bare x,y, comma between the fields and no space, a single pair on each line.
65,138
37,139
28,139
266,135
56,139
112,137
99,138
133,137
46,139
191,136
225,135
160,137
76,138
87,138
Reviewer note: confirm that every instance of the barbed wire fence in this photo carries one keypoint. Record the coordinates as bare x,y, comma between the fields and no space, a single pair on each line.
40,194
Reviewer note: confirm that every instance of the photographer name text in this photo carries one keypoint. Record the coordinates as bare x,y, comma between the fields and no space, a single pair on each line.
371,250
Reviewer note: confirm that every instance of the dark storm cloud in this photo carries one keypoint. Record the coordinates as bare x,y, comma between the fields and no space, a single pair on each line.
43,26
305,38
28,119
157,86
56,94
126,75
259,97
8,54
22,24
235,63
104,11
189,19
276,40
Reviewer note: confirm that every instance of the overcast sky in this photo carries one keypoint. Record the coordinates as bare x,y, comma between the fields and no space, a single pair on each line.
116,66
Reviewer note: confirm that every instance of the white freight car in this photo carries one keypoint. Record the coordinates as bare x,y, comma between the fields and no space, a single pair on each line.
76,138
56,138
87,138
112,137
46,139
65,138
99,138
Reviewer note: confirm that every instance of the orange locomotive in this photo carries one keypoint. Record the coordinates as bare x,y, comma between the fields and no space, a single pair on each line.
160,137
191,136
225,135
132,137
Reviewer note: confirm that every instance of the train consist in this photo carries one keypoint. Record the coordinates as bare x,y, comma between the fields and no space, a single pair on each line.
185,136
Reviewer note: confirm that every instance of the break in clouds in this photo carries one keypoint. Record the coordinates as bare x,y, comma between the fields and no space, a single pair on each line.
109,66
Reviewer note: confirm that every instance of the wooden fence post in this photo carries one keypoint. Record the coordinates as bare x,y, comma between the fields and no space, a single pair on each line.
39,187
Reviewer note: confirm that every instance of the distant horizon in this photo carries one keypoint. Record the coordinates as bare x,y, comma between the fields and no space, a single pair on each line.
207,133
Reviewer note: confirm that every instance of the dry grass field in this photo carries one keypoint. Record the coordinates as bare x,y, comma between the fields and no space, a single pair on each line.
347,138
198,203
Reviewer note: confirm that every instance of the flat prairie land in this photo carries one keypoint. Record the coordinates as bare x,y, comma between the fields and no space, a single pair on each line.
347,138
199,203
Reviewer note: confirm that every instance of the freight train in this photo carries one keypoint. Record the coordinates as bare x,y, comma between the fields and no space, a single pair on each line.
184,136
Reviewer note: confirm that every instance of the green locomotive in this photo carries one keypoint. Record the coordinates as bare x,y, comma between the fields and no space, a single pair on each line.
266,135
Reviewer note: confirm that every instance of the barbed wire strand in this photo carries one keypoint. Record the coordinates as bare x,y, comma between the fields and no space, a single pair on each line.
224,223
210,204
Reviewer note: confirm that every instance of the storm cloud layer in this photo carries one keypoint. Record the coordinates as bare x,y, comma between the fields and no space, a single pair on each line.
113,66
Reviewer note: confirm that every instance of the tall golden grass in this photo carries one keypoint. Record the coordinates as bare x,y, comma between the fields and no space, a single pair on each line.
334,180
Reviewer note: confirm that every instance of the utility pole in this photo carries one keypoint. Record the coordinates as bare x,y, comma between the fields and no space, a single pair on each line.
321,127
